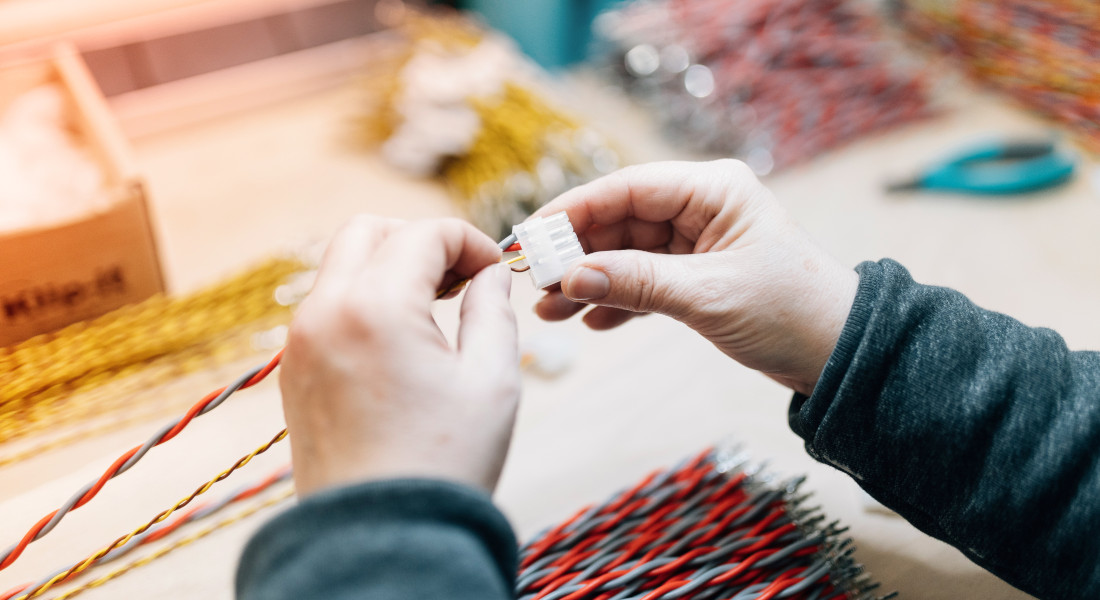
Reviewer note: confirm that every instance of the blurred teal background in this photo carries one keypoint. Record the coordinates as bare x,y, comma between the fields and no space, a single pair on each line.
556,33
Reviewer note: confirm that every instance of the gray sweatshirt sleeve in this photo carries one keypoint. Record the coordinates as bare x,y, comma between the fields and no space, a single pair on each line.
980,431
401,539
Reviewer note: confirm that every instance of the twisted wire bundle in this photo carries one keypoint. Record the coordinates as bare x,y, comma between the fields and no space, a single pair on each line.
135,454
456,101
189,539
55,380
704,530
1041,52
525,153
772,81
154,534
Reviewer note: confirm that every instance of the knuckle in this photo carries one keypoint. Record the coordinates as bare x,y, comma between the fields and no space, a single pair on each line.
629,171
498,312
305,335
437,231
509,390
733,166
501,383
443,226
364,313
358,224
736,173
645,293
453,223
623,177
327,320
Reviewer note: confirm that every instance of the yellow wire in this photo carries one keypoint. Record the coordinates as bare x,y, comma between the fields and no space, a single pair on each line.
126,393
113,405
44,381
91,560
516,128
141,562
461,282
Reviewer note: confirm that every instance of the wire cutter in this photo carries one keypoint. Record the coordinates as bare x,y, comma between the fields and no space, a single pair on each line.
997,168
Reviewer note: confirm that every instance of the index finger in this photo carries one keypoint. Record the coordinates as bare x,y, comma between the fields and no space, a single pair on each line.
350,249
417,258
686,194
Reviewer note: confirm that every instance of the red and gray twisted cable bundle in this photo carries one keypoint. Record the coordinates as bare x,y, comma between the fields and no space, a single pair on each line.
132,456
704,530
1041,52
773,81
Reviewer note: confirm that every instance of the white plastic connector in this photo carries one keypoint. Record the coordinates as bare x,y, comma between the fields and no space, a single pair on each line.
550,247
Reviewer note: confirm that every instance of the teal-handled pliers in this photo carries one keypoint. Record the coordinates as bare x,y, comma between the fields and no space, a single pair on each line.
998,168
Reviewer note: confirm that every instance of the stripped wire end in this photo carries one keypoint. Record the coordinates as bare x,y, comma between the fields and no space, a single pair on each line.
516,259
458,285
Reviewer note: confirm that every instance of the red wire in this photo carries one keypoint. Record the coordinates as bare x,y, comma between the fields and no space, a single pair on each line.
552,537
15,591
113,469
675,565
174,524
767,540
593,585
729,501
781,583
666,587
181,520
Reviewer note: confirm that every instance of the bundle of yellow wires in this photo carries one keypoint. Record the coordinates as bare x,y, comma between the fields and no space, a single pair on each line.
92,369
525,150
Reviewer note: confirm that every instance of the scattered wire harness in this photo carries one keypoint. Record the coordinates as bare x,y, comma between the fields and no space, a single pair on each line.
1042,54
706,529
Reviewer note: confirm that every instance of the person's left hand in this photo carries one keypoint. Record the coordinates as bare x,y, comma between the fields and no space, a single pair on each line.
371,387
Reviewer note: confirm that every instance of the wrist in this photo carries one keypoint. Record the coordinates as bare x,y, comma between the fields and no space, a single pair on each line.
827,323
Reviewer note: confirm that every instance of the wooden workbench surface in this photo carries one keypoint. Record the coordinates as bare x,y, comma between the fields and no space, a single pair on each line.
231,191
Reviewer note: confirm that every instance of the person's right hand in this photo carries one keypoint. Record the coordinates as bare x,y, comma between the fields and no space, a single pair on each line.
747,277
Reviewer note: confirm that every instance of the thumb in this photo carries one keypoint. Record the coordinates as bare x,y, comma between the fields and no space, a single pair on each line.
633,280
487,327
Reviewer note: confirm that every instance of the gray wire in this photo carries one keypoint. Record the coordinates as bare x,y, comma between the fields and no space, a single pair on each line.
198,515
216,402
809,579
691,510
69,504
136,541
702,579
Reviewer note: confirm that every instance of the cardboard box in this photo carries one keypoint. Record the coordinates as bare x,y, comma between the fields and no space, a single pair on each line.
53,276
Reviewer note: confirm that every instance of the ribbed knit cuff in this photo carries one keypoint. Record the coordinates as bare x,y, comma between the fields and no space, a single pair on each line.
389,526
806,412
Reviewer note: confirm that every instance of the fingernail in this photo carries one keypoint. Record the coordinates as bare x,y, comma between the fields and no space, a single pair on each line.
589,284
